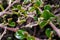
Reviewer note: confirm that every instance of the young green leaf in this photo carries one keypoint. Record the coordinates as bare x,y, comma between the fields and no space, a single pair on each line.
18,7
43,24
48,32
14,7
26,1
21,21
47,15
12,24
38,3
30,38
47,7
35,18
38,12
9,38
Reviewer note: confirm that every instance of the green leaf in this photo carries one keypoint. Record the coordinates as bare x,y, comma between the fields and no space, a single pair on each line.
48,32
18,7
35,18
38,12
47,7
38,3
30,38
21,21
47,15
12,24
9,38
43,24
20,34
26,1
14,7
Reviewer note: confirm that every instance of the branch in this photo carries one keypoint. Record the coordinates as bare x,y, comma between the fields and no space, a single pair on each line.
2,13
30,25
11,29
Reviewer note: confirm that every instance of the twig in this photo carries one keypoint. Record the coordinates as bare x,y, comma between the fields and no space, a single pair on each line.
52,6
2,13
37,39
11,29
30,25
15,29
56,11
28,6
10,6
3,34
9,2
55,28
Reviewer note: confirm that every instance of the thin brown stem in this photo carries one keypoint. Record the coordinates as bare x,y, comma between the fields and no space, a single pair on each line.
11,29
10,6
